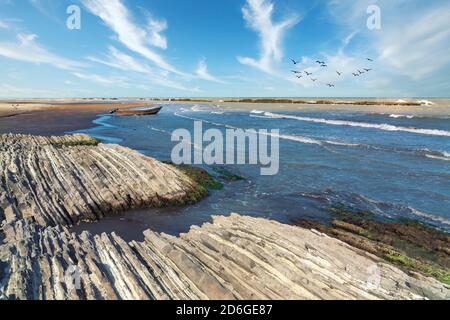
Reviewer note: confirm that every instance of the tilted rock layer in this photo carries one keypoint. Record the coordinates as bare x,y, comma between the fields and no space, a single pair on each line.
234,258
62,180
48,184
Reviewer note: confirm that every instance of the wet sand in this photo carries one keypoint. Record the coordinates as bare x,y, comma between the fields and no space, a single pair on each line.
39,118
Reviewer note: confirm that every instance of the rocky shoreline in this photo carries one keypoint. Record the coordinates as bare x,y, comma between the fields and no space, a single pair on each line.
49,184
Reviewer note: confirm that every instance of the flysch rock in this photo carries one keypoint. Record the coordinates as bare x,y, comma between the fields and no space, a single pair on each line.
62,180
235,257
49,184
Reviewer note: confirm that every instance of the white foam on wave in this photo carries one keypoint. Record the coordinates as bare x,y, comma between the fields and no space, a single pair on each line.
430,217
257,112
385,127
426,102
301,139
437,155
398,116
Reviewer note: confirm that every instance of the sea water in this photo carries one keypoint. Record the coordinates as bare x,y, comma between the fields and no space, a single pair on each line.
395,166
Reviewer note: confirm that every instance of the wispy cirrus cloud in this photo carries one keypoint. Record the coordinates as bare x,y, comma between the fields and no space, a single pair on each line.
3,25
155,28
415,44
259,17
27,49
118,18
203,72
122,61
114,81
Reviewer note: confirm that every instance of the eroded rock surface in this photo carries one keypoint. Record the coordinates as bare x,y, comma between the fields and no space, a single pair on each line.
234,258
62,180
47,184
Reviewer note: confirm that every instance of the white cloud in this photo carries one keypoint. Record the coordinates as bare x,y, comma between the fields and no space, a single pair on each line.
119,60
414,39
203,73
155,27
10,91
117,17
258,15
27,49
115,81
420,47
3,25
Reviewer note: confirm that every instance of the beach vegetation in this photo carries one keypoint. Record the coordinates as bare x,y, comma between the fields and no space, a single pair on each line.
408,244
91,142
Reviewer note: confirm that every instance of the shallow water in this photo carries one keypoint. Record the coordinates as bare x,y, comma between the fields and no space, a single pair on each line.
395,166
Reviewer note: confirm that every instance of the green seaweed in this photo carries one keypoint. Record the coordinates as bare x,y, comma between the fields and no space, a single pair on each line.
200,176
226,175
91,142
409,244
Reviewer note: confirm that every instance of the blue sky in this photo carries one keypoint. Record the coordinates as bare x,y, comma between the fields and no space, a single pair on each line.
204,48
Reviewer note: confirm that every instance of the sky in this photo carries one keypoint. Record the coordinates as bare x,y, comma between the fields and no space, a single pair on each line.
224,48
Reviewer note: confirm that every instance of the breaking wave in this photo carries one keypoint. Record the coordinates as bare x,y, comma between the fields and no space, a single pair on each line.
357,202
385,127
398,116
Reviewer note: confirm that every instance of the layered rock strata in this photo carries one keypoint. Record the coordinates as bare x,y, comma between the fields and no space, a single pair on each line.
62,180
234,258
48,184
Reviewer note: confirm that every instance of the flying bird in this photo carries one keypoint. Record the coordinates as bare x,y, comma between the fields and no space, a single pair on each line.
295,62
313,80
367,70
360,72
368,59
295,71
323,65
320,62
330,85
299,77
355,74
308,73
339,73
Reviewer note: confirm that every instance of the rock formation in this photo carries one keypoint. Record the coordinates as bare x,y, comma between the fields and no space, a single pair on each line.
47,184
234,258
62,180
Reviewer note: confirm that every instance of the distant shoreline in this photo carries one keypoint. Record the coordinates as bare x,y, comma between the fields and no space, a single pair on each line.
59,116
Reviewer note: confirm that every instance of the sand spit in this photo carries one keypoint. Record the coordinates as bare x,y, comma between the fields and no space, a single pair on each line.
47,184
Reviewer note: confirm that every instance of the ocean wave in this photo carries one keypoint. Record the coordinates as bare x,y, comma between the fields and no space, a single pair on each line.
437,155
297,138
257,112
398,116
385,127
358,202
199,108
426,102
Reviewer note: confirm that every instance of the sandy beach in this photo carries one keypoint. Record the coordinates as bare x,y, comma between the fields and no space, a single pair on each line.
42,117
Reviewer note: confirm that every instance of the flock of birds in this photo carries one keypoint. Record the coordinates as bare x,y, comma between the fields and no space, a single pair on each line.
322,64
